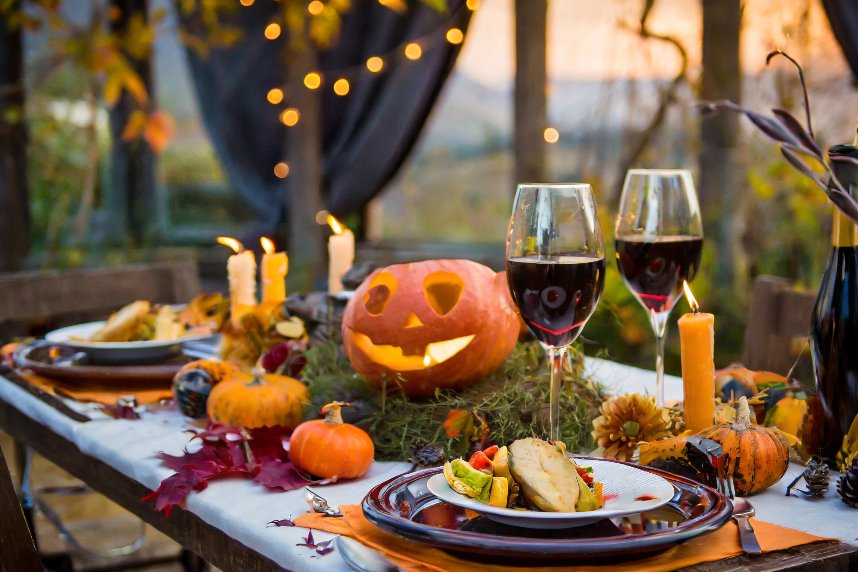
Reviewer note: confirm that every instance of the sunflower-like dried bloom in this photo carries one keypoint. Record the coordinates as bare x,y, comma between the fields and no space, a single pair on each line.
626,420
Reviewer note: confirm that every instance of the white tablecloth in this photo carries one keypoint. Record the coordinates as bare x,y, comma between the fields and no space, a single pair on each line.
241,508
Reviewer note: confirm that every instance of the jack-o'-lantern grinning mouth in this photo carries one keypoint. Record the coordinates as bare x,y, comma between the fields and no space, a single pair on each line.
394,358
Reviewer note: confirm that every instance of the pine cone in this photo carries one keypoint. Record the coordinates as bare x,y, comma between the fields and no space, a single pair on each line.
847,488
627,420
817,476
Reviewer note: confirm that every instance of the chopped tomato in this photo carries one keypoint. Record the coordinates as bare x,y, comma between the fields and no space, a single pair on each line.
479,460
587,477
490,452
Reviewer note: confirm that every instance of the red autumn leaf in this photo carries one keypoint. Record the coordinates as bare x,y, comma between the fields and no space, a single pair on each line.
458,423
174,489
309,542
120,411
282,522
325,547
227,452
280,475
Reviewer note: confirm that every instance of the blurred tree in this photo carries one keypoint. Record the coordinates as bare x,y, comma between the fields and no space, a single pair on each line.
721,179
14,201
132,162
530,99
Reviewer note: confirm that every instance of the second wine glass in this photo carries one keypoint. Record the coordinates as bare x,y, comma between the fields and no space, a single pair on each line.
555,262
659,240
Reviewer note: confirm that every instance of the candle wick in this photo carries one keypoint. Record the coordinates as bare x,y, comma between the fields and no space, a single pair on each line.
695,310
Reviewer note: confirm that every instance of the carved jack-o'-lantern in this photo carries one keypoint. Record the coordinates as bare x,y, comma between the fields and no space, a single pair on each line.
426,325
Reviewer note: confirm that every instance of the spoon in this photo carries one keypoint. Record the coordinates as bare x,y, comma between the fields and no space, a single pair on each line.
742,511
318,503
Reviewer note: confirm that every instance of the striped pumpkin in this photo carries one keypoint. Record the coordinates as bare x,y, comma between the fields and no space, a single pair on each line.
258,400
758,456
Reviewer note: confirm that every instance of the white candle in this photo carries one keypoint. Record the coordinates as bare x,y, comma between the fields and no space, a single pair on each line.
241,272
341,255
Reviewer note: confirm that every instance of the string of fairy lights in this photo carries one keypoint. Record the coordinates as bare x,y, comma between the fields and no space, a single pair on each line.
340,81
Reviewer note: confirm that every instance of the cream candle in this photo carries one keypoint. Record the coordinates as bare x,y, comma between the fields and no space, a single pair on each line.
697,348
275,266
241,273
341,254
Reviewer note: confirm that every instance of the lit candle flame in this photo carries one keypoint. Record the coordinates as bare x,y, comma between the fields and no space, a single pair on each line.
230,242
692,301
427,360
267,245
335,225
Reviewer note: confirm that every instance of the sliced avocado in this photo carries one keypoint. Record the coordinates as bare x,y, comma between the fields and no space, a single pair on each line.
466,480
500,492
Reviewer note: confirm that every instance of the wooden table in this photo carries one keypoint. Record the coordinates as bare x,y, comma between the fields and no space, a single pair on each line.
228,553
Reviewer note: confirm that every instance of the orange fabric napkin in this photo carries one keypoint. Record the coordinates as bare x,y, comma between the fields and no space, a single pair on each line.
104,393
415,557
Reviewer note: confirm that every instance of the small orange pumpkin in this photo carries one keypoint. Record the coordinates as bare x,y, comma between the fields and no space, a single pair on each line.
258,400
758,456
436,324
330,448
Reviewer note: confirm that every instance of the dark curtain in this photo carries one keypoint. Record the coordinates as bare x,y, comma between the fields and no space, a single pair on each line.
843,16
367,134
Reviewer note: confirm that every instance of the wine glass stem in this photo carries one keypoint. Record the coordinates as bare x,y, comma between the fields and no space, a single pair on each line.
659,326
555,364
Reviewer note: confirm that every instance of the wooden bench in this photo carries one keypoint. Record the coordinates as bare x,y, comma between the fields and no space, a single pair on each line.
33,302
778,325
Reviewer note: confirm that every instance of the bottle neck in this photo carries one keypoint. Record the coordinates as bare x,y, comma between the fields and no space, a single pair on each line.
844,232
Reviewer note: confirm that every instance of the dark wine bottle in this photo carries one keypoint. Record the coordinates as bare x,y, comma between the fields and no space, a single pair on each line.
834,326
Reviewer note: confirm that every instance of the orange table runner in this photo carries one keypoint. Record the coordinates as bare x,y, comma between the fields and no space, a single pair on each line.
415,557
105,393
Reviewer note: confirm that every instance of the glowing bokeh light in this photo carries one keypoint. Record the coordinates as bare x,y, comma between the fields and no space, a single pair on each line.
281,170
374,64
413,51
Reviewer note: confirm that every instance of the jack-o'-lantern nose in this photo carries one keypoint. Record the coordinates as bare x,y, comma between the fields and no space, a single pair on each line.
412,321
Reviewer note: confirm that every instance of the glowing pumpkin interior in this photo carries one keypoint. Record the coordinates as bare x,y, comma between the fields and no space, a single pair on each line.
442,291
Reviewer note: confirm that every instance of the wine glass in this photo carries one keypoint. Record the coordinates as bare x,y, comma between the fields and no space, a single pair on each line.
555,263
659,239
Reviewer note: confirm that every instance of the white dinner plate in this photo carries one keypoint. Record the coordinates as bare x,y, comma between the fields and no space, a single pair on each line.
118,352
622,486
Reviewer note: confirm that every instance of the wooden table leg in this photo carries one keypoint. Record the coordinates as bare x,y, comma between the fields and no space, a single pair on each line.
17,549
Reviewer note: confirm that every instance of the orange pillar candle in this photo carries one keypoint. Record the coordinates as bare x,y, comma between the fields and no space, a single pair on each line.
275,266
697,347
241,272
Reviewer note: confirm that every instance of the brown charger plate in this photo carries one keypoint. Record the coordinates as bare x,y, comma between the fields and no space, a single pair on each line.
403,505
36,358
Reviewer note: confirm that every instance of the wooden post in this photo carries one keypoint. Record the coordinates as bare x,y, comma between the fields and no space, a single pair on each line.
14,199
133,199
307,253
530,99
721,182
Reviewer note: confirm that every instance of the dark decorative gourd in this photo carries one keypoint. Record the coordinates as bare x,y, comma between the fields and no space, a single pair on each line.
194,382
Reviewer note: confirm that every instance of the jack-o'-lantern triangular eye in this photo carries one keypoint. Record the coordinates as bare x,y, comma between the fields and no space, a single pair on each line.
443,290
381,290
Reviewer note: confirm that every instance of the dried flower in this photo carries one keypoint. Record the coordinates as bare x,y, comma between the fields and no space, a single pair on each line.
625,421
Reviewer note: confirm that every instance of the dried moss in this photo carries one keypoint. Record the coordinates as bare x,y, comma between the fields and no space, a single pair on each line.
513,400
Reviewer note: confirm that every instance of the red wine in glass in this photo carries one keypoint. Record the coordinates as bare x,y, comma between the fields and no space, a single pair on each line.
654,269
556,295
